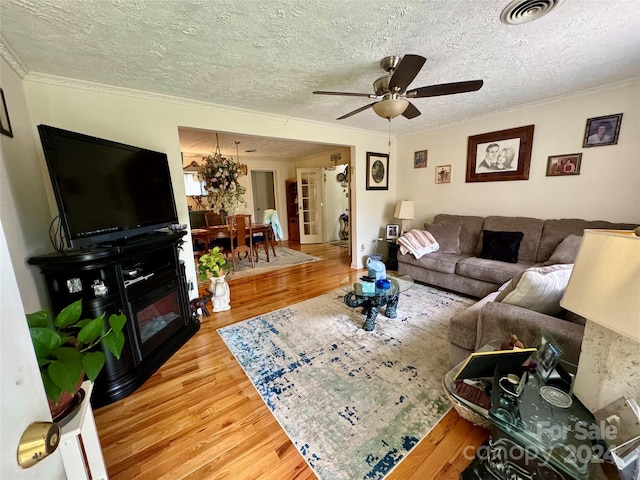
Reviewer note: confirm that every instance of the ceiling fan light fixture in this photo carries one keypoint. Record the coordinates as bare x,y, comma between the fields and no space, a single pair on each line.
390,108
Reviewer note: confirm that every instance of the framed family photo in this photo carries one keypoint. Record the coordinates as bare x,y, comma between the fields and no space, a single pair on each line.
602,131
393,231
499,156
559,165
443,174
420,159
377,171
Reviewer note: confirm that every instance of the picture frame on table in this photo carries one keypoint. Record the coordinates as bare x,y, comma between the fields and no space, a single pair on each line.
443,174
420,159
547,355
560,165
377,171
602,131
393,231
500,156
5,123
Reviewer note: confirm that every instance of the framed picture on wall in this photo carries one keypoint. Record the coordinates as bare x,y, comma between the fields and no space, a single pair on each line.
377,171
602,131
5,124
443,174
559,165
420,159
501,155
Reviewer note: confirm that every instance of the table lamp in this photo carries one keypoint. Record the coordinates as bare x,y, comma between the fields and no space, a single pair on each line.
605,289
404,212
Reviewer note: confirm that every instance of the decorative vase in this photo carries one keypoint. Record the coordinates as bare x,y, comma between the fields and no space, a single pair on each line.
220,290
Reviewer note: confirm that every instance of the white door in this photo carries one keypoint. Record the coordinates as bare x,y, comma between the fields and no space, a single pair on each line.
262,189
310,204
22,396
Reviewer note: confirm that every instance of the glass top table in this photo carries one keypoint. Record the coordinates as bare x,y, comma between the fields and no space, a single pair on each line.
373,298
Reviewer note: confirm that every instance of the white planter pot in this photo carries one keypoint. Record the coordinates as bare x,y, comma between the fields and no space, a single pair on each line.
220,290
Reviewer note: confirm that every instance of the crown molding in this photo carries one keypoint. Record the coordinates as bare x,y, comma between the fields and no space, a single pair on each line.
526,106
11,57
141,94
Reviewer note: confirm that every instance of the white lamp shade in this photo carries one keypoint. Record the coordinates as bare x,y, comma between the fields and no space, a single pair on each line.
605,282
404,210
391,108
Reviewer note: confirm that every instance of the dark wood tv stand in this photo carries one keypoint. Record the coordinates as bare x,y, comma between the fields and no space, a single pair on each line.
144,279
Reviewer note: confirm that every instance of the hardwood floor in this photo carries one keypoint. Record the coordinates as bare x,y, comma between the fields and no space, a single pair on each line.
199,417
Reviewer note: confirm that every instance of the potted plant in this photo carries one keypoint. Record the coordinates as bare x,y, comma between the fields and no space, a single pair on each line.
222,178
65,349
215,265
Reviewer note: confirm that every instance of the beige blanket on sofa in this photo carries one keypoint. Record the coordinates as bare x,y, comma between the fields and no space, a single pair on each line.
418,243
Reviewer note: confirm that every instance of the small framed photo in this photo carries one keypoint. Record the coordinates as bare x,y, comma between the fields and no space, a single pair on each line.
443,174
420,159
392,231
5,124
377,171
559,165
548,354
602,131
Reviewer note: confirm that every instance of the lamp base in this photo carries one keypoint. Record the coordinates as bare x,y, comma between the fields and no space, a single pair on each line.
609,367
405,226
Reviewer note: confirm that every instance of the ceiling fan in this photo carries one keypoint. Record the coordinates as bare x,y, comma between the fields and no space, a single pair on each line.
391,90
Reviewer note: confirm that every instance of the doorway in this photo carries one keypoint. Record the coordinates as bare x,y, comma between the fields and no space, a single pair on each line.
263,191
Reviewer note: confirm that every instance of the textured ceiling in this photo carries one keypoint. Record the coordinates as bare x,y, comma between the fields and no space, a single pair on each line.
269,55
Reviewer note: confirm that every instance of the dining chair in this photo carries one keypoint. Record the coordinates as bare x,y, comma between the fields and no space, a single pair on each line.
212,219
241,237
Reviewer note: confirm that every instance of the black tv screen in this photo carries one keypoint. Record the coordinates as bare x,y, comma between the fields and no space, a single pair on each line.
105,190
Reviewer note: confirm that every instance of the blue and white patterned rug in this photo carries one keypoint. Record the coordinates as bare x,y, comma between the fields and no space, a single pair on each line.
354,403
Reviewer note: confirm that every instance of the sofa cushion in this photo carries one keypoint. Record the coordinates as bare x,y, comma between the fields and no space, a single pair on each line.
492,271
538,288
447,236
437,261
531,227
470,230
555,231
566,252
502,246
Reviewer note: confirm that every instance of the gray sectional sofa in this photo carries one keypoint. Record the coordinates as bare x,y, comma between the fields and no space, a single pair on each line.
458,266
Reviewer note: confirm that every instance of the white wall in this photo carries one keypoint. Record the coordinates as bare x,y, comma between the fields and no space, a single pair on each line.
147,121
24,208
606,189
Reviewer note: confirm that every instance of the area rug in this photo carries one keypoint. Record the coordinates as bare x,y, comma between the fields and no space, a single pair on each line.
354,403
285,257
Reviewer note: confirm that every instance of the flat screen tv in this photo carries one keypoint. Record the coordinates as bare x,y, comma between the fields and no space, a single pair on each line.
106,191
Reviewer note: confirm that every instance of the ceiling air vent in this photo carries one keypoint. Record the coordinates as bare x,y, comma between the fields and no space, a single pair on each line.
525,11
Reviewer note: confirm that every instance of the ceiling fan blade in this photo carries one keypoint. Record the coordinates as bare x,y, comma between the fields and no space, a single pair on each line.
445,89
349,94
405,72
411,111
361,109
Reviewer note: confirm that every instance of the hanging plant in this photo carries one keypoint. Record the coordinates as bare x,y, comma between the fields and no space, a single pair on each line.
221,176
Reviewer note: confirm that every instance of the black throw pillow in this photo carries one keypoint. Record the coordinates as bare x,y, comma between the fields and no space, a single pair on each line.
502,246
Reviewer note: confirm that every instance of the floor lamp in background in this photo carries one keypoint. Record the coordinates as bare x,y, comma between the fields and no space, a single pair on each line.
404,212
604,288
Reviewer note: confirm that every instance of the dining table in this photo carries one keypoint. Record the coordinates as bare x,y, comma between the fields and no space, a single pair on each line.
218,232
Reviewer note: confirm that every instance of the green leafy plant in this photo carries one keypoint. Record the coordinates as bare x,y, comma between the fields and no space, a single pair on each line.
222,178
213,263
64,347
